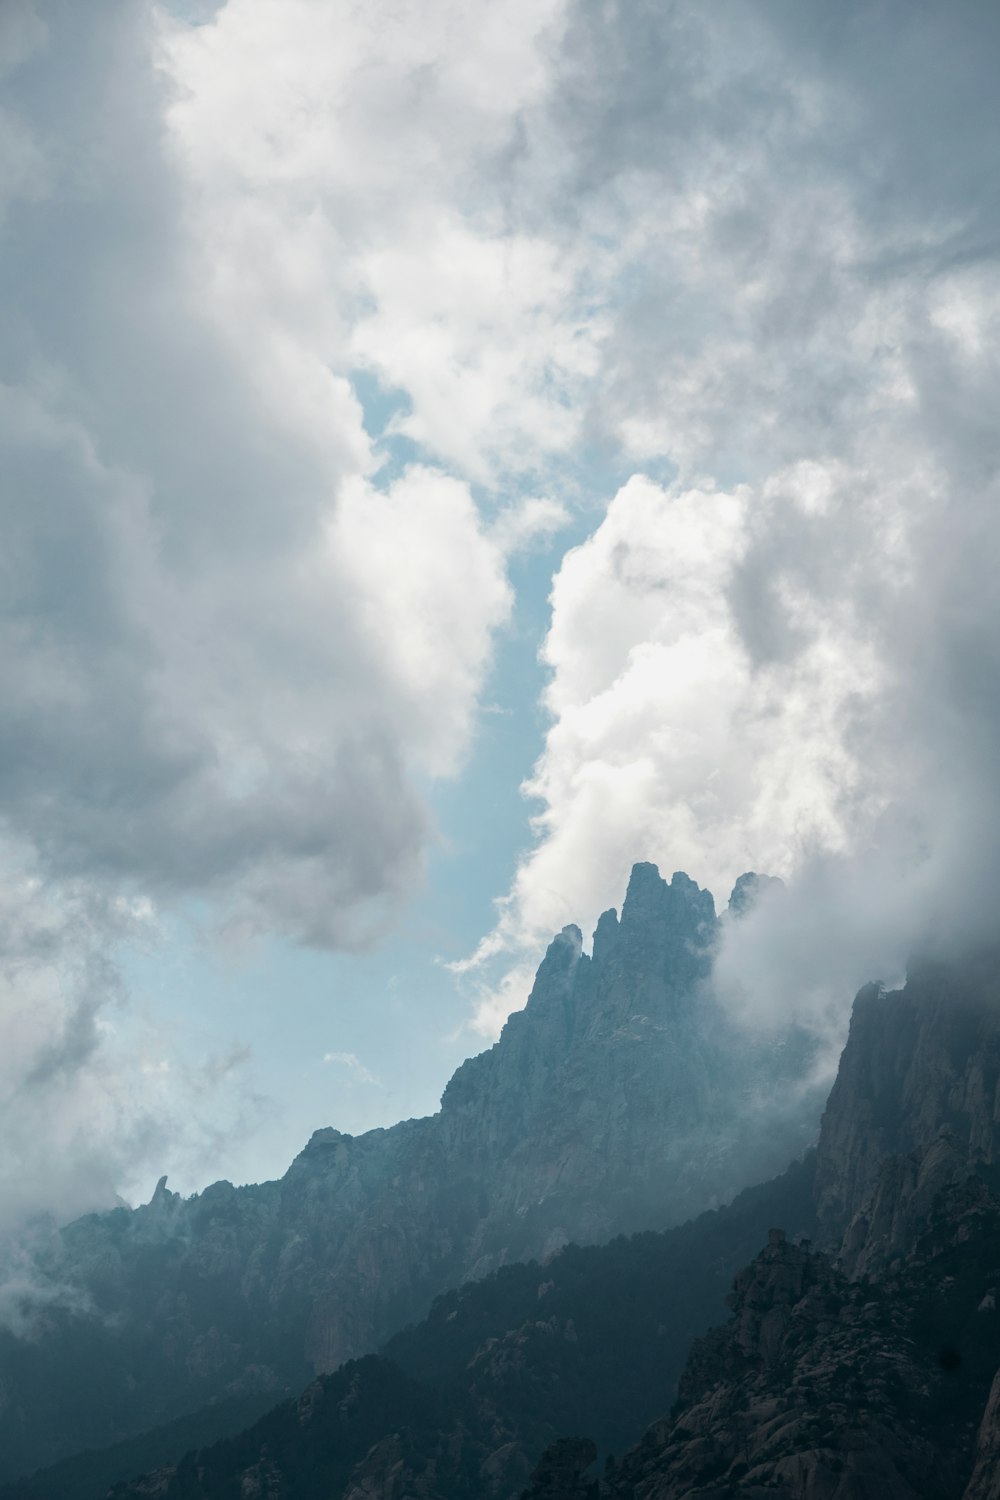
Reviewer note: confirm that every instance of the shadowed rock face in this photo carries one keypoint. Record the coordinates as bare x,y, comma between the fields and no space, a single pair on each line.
827,1387
560,1473
618,1099
813,1390
915,1106
985,1481
870,1371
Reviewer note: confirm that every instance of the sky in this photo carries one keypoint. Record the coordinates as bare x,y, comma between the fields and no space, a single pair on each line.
449,452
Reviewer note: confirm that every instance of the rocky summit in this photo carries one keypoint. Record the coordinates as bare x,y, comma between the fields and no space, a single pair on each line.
620,1098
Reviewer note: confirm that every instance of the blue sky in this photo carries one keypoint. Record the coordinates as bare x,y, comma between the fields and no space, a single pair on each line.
449,452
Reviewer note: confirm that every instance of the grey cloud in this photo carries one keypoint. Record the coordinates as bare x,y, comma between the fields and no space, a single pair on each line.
93,1098
57,984
812,193
160,624
915,124
918,120
895,99
199,703
838,156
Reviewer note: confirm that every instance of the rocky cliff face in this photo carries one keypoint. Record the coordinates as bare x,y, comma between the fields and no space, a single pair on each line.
985,1481
618,1099
869,1371
621,1097
814,1389
915,1106
825,1387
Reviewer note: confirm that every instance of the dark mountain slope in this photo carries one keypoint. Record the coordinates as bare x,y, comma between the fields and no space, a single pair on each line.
90,1474
595,1338
619,1099
868,1370
826,1387
870,1373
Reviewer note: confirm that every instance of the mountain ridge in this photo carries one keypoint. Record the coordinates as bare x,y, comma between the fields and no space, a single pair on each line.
618,1099
837,1377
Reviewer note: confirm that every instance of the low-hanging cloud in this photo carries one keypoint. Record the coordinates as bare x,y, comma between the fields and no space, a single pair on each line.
95,1092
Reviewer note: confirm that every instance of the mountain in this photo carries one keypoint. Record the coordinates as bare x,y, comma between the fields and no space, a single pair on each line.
861,1360
915,1105
595,1338
621,1098
868,1367
826,1386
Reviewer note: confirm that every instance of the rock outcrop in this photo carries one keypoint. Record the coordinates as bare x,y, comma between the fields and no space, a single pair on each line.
814,1390
915,1106
869,1370
560,1473
618,1099
985,1481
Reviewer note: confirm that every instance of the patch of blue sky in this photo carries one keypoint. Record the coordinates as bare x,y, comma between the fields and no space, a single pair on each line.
383,407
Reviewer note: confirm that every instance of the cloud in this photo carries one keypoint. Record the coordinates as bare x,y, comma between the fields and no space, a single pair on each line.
237,645
258,644
786,658
241,634
361,191
96,1094
259,637
353,1065
534,519
666,738
203,580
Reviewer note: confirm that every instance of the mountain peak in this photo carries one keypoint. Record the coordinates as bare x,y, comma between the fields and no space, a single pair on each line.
665,938
748,890
606,935
615,1101
650,901
571,936
645,876
555,972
